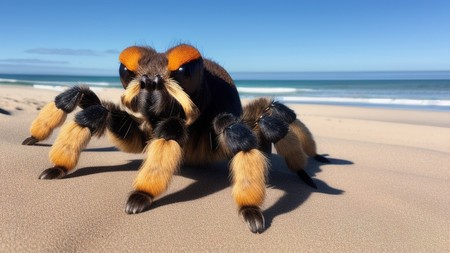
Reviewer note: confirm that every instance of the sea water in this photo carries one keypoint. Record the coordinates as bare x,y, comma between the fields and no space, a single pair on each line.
428,91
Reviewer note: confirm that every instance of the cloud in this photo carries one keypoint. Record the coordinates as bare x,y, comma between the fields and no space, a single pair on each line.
32,61
112,51
54,70
62,51
69,51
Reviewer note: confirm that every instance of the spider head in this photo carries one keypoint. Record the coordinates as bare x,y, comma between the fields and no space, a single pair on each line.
161,85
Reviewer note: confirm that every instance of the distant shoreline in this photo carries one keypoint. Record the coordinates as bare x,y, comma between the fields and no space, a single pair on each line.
305,75
389,92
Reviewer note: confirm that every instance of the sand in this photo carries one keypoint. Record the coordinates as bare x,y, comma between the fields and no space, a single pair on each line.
387,189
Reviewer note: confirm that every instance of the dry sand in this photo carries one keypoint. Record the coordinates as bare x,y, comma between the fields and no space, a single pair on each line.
387,189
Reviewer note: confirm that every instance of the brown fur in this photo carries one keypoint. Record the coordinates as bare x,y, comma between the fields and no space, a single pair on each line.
291,150
198,151
164,158
251,113
249,172
305,137
223,146
130,145
218,71
254,109
48,119
70,142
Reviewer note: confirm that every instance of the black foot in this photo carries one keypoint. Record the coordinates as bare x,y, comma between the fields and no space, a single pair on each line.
254,218
321,159
138,202
306,178
30,141
53,173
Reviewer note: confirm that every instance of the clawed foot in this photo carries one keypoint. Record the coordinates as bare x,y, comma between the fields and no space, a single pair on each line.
253,217
56,172
138,202
321,159
30,141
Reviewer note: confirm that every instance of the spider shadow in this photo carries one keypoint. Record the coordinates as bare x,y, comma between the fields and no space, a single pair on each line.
208,179
102,149
214,178
295,191
132,165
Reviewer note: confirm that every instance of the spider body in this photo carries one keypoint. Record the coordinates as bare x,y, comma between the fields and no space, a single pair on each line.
178,108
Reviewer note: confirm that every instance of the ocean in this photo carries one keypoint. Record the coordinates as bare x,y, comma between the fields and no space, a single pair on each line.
406,90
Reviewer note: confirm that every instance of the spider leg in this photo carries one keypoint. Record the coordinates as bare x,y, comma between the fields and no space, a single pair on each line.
306,137
93,120
276,123
54,113
164,156
73,138
248,168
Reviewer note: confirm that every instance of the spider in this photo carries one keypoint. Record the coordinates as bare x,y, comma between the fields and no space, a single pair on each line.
178,108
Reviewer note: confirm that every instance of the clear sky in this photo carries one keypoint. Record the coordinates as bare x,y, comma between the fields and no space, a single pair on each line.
85,37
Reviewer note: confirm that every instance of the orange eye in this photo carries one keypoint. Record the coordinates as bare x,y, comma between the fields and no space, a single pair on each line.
130,57
181,55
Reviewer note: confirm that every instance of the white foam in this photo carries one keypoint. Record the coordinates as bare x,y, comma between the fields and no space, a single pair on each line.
50,87
96,83
2,80
268,90
379,101
62,88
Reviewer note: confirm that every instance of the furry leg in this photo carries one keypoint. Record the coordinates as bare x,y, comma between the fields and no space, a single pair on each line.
248,168
73,138
124,130
276,123
249,172
54,113
66,150
307,140
164,158
296,159
48,119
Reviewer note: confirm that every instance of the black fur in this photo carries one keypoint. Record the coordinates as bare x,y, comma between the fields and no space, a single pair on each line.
237,136
222,121
77,95
93,117
158,104
155,83
122,124
172,129
282,112
273,129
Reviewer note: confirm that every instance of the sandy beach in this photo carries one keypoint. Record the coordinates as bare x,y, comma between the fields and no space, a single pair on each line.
387,189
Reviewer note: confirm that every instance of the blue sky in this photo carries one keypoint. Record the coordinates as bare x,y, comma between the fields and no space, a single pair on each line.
85,37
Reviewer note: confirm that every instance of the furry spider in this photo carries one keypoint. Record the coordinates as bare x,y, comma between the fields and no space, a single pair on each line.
178,108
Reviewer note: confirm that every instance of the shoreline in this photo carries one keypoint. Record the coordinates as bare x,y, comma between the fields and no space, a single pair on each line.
383,191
